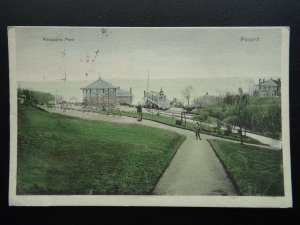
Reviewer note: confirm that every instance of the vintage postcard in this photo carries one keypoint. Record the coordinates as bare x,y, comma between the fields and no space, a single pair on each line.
119,116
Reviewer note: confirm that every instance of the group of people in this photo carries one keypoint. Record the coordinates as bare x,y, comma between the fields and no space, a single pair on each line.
139,109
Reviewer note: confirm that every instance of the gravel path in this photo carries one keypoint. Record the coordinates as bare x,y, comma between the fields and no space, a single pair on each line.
194,170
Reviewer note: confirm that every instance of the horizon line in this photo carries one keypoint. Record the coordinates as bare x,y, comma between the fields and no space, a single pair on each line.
155,78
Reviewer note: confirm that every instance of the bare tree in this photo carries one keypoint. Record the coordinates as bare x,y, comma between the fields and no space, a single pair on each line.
58,98
187,93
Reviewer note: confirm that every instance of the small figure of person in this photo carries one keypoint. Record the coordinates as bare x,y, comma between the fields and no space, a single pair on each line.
197,131
139,112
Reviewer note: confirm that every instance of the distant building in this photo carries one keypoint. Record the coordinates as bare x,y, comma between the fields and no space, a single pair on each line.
156,99
101,92
268,88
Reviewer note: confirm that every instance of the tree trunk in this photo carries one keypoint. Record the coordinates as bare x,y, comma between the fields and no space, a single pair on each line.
240,125
241,134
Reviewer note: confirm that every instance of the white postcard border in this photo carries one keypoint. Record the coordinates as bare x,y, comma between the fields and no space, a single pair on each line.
149,200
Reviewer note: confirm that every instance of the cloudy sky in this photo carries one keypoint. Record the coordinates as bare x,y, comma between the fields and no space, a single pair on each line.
129,53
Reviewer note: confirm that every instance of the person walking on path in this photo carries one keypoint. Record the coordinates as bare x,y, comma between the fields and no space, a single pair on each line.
197,131
139,112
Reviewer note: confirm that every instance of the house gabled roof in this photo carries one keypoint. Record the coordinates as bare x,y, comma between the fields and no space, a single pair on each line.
100,84
270,83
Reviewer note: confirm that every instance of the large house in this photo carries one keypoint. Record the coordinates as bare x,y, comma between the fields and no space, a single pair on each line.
268,88
101,92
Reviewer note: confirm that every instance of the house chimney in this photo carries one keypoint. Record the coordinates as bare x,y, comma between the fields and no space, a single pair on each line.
264,80
259,81
131,90
144,93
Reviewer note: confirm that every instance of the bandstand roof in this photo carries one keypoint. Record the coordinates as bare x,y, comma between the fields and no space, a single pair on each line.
100,84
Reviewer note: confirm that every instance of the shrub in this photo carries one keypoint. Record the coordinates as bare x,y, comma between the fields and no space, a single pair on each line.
228,130
219,123
178,122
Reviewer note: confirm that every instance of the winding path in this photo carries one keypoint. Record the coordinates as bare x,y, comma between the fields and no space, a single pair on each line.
194,170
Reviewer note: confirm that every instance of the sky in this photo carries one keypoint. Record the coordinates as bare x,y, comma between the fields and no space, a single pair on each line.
130,53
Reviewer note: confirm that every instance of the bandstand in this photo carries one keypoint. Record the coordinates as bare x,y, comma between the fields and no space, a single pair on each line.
100,93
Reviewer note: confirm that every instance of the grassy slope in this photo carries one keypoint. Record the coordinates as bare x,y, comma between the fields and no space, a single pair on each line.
256,171
63,155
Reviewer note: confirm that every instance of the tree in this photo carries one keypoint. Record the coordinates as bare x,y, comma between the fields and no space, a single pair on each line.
59,98
238,110
187,93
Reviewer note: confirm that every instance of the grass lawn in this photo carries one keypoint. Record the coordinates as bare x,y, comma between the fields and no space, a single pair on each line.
255,170
191,126
152,116
65,155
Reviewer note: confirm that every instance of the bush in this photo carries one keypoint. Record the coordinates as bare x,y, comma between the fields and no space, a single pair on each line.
217,131
202,117
178,122
228,130
219,124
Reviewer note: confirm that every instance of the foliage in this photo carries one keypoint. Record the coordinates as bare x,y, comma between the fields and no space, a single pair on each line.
228,130
262,115
178,122
265,118
207,100
64,155
238,109
255,170
36,97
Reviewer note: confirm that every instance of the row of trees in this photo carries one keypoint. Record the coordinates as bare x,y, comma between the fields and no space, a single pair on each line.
35,97
38,97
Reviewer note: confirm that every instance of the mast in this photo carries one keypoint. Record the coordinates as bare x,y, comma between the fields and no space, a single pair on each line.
148,83
65,78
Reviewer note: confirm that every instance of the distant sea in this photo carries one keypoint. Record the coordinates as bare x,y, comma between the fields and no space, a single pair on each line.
172,87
